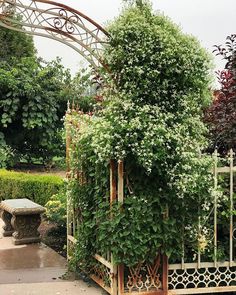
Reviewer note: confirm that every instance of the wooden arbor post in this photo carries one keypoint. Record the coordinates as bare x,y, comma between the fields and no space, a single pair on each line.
150,280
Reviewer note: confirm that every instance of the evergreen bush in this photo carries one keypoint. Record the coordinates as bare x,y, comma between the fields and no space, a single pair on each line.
38,188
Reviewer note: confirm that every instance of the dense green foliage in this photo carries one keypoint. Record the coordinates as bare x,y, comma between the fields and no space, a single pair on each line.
221,114
32,104
7,155
38,188
152,120
33,99
15,45
56,209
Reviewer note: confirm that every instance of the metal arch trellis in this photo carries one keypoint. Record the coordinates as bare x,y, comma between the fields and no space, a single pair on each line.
58,22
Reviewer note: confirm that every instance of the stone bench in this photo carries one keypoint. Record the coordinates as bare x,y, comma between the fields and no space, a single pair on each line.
22,218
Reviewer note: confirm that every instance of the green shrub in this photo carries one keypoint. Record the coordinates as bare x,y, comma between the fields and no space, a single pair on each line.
6,156
56,209
38,188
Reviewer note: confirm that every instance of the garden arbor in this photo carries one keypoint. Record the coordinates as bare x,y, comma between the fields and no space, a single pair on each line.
58,22
182,276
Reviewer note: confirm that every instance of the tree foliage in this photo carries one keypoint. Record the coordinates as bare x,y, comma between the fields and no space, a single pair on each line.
152,120
32,105
221,114
33,99
15,45
138,3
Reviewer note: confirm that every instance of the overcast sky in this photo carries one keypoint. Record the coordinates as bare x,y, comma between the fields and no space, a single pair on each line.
209,20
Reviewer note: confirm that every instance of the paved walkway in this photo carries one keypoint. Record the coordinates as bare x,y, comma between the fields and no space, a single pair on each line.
36,270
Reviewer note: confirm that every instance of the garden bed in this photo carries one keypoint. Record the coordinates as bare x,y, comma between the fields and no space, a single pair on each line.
54,236
38,169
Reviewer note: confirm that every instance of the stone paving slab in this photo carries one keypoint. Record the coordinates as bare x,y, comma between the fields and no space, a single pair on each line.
28,256
41,275
31,256
59,288
36,270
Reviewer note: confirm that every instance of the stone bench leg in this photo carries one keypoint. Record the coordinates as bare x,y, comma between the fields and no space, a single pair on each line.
7,228
26,229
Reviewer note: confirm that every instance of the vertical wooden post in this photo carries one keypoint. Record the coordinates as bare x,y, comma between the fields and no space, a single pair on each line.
199,234
165,263
121,282
113,197
165,275
231,162
120,181
183,254
121,200
183,244
68,140
68,144
215,157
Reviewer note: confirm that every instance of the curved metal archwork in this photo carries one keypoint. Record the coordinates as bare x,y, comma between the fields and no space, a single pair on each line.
56,21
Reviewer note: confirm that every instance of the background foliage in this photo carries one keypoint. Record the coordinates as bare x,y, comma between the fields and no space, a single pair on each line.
15,45
152,119
32,105
221,115
33,100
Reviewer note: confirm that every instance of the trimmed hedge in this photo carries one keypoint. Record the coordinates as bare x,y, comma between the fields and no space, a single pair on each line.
38,188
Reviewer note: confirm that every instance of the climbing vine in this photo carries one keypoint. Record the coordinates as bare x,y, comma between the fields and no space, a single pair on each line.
151,118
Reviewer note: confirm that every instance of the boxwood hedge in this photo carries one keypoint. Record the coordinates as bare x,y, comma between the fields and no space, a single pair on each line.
38,188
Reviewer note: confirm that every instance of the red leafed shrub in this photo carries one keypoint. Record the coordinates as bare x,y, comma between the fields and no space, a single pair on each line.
221,115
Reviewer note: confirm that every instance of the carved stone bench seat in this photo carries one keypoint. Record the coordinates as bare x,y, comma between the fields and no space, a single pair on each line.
22,218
